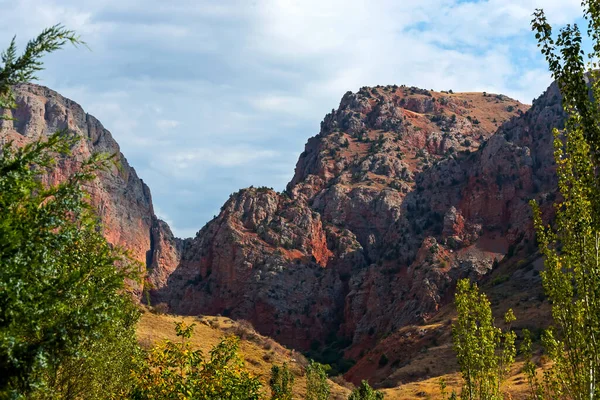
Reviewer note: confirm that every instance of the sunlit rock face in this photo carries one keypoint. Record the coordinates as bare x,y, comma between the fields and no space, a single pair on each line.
122,200
402,192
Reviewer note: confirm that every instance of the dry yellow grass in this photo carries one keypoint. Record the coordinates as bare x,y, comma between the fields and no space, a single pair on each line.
418,378
516,386
261,352
258,351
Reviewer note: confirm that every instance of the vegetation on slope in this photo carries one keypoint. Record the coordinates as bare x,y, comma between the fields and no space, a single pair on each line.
258,352
570,245
67,324
67,321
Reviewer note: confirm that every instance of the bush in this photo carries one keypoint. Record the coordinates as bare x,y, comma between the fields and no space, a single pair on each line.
500,279
317,387
383,360
161,308
245,331
174,370
365,392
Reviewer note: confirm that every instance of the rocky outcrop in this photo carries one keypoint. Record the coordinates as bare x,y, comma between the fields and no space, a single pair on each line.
402,192
122,199
264,259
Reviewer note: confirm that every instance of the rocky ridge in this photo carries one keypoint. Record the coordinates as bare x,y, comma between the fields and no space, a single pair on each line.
402,192
122,199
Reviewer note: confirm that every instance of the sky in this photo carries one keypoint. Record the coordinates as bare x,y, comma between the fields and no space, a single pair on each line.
206,97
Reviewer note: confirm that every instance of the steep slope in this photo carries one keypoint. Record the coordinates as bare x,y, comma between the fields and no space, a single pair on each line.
403,191
264,258
515,165
259,352
123,200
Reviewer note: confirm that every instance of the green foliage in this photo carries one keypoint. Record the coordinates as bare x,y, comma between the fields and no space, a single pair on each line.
317,387
101,369
67,326
21,69
365,392
444,392
500,278
174,370
331,353
281,382
484,352
529,368
571,247
62,300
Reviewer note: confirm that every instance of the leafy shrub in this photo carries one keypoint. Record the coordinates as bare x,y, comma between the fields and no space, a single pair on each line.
500,279
174,370
281,382
317,387
365,392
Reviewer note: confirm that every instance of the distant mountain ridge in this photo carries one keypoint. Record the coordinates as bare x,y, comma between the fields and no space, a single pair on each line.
402,192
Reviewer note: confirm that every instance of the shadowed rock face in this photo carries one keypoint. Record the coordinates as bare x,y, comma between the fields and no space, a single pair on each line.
402,192
122,199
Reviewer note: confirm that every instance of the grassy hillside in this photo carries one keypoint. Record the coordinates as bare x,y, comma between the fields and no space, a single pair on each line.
261,352
419,355
258,351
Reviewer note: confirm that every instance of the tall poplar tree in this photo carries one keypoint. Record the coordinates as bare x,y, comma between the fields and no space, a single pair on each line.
484,352
571,245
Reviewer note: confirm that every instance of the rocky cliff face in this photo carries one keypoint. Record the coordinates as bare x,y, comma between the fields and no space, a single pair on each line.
264,258
402,192
122,199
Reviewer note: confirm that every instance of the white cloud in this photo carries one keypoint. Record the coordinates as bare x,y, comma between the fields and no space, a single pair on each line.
206,97
217,157
167,124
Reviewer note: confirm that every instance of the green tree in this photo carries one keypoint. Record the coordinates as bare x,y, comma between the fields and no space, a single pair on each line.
529,368
22,69
483,351
281,382
174,370
365,392
571,246
317,387
102,367
444,391
67,325
62,297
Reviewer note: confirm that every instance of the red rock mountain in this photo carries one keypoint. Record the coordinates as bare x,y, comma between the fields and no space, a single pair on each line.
402,192
122,199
